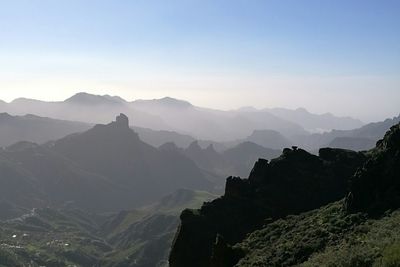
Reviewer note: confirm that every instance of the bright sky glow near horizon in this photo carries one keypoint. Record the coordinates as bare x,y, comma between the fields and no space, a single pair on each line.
339,56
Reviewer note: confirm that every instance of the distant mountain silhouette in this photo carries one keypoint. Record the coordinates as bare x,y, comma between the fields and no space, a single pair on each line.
166,102
105,168
210,160
362,137
316,122
89,99
86,108
352,143
245,154
39,130
115,151
158,138
35,129
269,139
171,114
237,160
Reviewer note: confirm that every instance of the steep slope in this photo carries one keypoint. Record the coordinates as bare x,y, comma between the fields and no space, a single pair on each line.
106,168
36,176
35,129
295,182
116,152
17,188
376,187
145,236
361,230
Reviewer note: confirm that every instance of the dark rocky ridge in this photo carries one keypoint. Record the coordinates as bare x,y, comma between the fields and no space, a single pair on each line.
359,230
297,181
375,187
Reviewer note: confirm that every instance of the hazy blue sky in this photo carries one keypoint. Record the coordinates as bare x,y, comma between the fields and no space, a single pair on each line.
325,55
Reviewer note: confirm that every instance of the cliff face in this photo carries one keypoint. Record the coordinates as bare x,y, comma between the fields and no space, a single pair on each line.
297,181
359,230
375,187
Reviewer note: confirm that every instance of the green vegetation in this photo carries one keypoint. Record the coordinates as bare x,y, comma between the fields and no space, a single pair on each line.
325,237
49,237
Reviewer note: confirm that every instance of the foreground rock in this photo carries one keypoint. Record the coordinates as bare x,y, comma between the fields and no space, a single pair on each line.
297,181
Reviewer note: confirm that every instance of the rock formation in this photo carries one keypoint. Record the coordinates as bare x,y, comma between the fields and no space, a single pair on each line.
297,181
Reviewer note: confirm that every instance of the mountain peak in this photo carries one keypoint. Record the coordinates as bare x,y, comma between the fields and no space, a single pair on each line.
122,120
5,115
194,146
168,102
302,110
175,102
168,146
90,99
210,148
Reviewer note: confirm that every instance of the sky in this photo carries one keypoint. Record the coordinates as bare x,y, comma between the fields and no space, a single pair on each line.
339,56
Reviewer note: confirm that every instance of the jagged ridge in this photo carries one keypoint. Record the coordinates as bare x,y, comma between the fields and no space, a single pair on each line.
295,182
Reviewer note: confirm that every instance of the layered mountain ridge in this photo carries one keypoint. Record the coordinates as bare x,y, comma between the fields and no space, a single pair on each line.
177,115
105,168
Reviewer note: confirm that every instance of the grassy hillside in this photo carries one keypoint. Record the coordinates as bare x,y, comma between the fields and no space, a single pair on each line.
48,237
325,237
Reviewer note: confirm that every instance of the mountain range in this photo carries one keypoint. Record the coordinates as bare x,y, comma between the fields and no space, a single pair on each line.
104,168
73,192
108,167
180,116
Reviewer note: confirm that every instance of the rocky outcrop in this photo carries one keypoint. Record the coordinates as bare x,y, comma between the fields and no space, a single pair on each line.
375,187
295,182
122,120
107,168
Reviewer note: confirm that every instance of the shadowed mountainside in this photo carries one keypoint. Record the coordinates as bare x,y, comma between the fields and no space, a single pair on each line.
35,129
105,168
360,230
295,182
342,232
